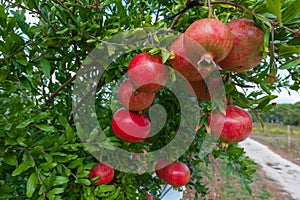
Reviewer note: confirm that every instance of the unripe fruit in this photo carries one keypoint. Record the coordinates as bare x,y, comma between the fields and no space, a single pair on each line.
213,36
104,171
132,100
147,73
236,126
130,126
248,44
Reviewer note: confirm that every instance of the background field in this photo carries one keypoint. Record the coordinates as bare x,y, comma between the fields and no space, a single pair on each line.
275,136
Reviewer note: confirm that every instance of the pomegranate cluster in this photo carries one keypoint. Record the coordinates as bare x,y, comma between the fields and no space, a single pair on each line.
207,45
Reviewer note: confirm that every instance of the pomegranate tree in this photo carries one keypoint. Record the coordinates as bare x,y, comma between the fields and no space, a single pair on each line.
235,126
214,36
147,73
248,44
130,126
104,171
134,100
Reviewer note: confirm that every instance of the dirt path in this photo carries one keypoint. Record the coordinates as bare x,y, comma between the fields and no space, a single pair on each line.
286,173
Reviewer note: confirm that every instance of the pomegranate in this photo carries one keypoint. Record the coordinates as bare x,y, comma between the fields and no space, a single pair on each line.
130,126
149,196
159,168
104,171
248,44
214,36
147,73
236,126
177,174
201,90
184,63
133,100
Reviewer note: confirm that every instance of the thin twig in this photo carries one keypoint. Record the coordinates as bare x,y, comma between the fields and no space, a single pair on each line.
157,13
54,94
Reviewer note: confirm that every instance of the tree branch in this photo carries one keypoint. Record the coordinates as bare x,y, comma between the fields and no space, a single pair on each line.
54,94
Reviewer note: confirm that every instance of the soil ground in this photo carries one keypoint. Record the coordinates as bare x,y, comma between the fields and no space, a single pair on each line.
229,187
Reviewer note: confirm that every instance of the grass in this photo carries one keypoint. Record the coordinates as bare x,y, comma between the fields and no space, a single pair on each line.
276,135
275,129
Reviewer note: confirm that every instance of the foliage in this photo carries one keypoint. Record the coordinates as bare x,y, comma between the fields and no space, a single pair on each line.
41,155
287,114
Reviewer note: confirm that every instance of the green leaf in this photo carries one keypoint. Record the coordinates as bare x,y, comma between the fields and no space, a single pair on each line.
274,6
285,51
62,31
291,11
165,54
47,166
11,159
24,166
60,180
290,64
70,133
105,188
46,68
25,123
55,191
46,128
31,184
3,73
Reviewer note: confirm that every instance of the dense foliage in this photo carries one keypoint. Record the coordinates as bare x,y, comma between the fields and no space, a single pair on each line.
288,114
41,155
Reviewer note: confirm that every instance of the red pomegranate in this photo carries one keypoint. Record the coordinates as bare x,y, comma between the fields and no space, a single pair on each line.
184,63
177,174
159,168
248,44
149,196
201,90
214,36
147,73
130,126
133,100
104,171
236,126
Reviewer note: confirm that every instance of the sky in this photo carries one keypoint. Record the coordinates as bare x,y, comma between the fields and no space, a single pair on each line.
283,96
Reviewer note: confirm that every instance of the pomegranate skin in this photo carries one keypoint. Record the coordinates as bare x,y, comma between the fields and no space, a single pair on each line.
177,174
237,124
105,171
213,35
181,62
160,167
149,196
248,44
134,101
130,126
147,73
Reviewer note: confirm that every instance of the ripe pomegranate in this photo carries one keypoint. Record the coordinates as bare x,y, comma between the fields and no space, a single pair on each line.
149,196
159,168
104,171
214,36
248,44
184,63
177,174
236,126
130,126
147,73
133,100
